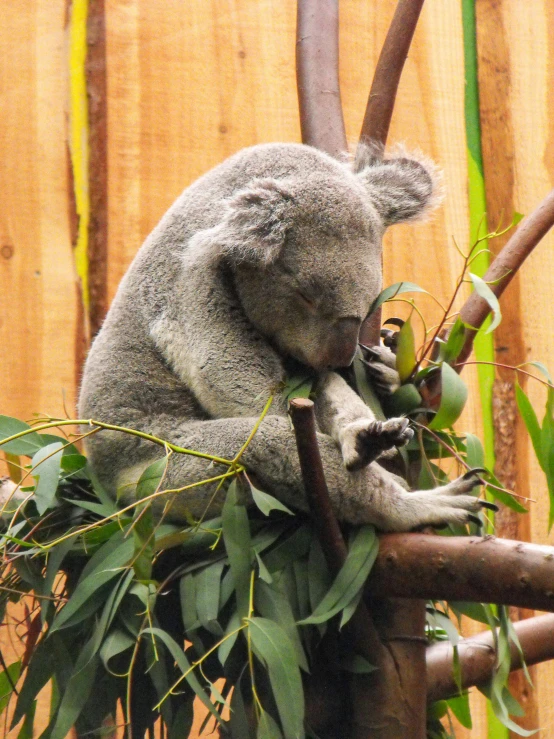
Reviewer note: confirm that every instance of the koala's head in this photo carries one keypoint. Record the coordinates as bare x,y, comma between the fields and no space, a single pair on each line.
305,251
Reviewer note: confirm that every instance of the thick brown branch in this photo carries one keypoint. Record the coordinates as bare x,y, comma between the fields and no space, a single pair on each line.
386,79
317,76
478,656
503,269
471,568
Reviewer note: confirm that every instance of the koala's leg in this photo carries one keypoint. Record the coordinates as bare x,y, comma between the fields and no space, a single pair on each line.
369,495
347,419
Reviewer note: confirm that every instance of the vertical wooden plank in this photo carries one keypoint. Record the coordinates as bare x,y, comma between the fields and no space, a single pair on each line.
38,318
531,44
38,303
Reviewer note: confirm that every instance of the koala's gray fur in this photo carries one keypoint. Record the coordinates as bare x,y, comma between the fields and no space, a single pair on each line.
273,254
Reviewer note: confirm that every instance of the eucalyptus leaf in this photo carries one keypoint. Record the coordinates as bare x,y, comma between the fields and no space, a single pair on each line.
459,705
453,398
272,603
404,400
298,386
485,292
391,292
236,536
351,577
184,665
406,351
207,586
267,503
453,345
8,678
46,465
26,445
73,700
267,727
273,647
230,638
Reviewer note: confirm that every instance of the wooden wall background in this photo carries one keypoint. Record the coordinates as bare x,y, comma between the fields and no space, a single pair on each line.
175,86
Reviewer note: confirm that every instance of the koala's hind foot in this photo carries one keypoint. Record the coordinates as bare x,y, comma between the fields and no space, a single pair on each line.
381,369
451,503
364,440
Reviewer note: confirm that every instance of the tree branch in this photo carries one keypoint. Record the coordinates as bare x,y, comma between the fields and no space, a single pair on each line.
317,76
383,706
386,79
478,656
504,268
470,568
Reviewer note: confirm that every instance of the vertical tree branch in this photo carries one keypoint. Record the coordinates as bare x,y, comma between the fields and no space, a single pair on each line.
317,76
386,79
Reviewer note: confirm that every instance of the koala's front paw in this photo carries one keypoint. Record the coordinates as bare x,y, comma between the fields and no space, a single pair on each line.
452,503
365,439
381,368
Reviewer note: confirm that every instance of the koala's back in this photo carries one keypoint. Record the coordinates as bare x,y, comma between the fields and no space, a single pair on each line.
126,380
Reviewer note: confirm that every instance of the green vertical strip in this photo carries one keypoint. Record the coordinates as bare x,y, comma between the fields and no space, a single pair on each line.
78,136
483,346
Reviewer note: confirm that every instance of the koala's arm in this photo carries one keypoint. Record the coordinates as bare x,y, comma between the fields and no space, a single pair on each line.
210,345
352,424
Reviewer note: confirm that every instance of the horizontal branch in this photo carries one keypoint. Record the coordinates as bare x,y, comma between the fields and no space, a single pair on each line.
478,656
504,268
317,76
466,568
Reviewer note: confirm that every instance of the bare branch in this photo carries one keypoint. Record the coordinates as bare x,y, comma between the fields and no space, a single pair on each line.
386,79
317,76
478,656
504,268
470,568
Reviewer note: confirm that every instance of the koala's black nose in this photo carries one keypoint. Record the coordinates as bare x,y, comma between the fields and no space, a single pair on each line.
343,342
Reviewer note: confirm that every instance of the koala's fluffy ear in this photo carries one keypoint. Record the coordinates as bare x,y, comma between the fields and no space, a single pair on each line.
257,221
401,188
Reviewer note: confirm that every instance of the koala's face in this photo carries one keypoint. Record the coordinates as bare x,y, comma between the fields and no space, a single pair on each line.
305,253
311,299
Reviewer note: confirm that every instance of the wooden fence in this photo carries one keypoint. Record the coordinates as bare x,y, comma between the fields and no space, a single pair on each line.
174,87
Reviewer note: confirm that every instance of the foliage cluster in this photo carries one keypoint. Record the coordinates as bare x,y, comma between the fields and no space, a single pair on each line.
128,616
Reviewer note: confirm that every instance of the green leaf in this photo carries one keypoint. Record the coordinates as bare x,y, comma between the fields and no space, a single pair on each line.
404,400
454,343
39,671
357,664
107,563
365,389
475,611
484,291
272,603
71,463
460,708
26,445
8,678
298,386
267,503
27,730
406,352
187,595
46,464
527,412
439,620
273,647
207,584
351,578
73,700
289,549
267,727
116,642
185,666
143,527
263,572
453,398
236,536
391,292
230,638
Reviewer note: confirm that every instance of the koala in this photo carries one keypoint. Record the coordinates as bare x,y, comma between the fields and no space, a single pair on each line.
271,257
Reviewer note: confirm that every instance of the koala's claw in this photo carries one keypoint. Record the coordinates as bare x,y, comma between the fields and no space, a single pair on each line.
490,506
474,472
474,519
381,368
365,440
